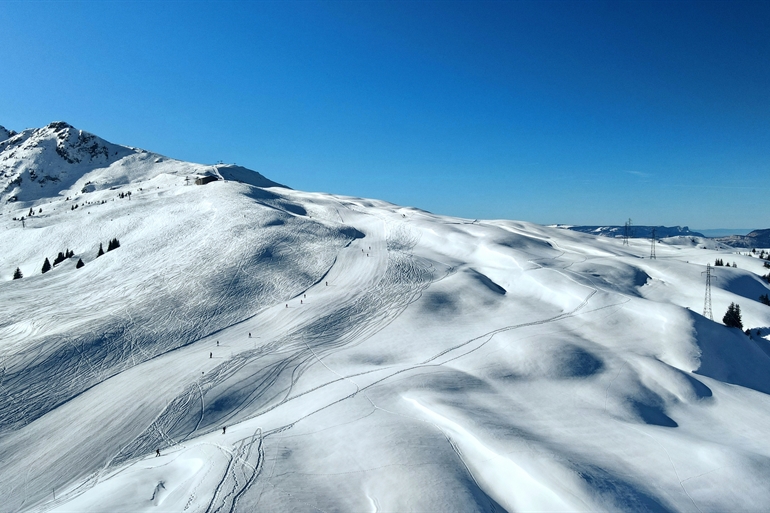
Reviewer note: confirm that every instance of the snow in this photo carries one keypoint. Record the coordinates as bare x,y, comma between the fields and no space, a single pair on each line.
398,360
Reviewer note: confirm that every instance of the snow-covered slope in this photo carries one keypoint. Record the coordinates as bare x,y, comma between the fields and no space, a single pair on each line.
362,357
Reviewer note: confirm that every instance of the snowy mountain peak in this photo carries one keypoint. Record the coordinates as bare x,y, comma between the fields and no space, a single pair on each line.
61,160
5,133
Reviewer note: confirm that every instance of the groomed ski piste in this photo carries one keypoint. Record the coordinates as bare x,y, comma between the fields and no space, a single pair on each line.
296,351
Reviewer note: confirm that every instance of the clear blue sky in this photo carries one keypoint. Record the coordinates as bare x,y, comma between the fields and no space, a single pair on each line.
553,112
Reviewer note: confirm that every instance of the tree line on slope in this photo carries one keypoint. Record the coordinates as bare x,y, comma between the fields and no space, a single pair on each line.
719,263
62,256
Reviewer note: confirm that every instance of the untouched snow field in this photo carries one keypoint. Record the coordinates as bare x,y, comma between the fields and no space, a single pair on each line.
362,356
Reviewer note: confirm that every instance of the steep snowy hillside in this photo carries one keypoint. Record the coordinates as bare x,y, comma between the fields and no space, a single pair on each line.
249,347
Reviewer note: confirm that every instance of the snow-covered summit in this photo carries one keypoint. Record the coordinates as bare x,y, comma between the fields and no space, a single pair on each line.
61,160
5,133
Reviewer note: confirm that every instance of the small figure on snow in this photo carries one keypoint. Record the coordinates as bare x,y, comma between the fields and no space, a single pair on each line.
249,334
217,343
211,355
157,452
224,428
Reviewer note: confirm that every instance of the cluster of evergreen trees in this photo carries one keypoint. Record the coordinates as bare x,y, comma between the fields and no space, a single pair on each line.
62,256
732,318
112,244
719,263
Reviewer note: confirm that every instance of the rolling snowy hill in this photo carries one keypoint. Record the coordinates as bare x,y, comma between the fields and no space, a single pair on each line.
362,356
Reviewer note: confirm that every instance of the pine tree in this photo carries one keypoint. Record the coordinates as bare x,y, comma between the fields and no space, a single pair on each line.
79,264
46,266
732,318
59,259
101,251
764,299
17,275
114,244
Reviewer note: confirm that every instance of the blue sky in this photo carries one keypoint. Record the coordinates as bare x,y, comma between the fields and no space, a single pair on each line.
553,112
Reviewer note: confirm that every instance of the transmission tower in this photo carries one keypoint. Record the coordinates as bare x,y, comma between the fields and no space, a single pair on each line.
652,245
707,300
626,232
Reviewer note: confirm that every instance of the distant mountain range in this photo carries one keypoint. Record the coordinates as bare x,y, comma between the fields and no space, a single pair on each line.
755,239
637,232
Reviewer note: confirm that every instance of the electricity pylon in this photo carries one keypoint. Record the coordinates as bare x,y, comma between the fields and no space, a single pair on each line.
652,245
626,232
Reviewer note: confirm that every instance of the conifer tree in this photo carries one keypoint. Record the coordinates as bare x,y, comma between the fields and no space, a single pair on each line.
79,264
17,275
46,266
732,318
101,251
59,259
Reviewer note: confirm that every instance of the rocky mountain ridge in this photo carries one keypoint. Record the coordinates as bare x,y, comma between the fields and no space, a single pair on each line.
60,160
